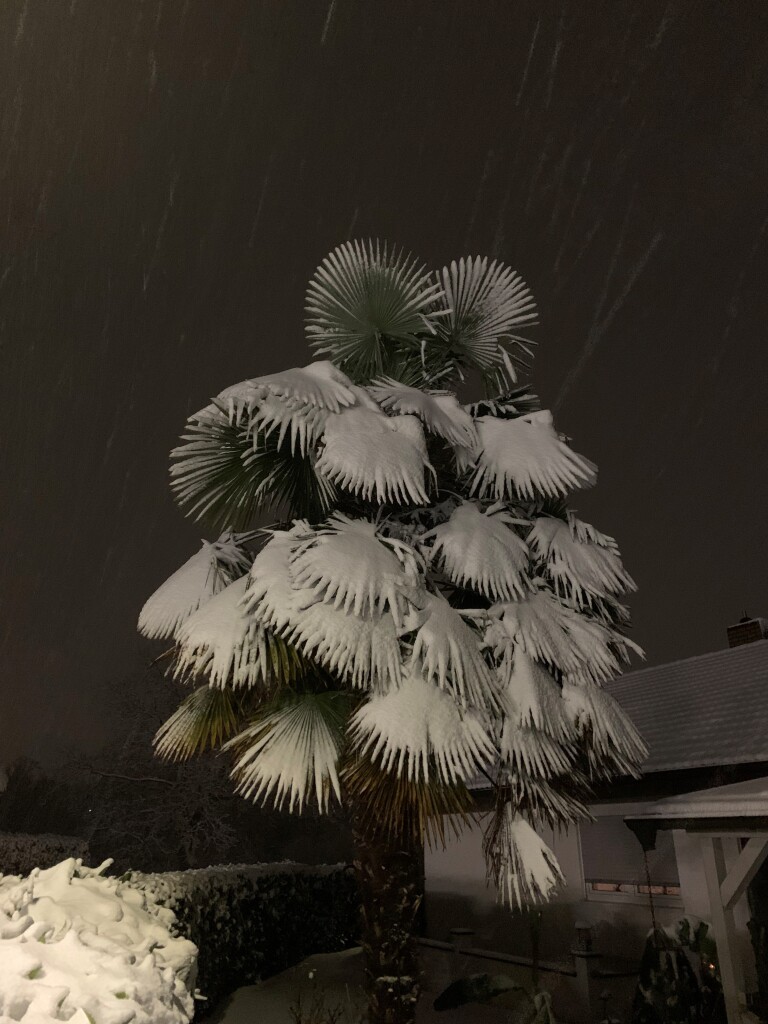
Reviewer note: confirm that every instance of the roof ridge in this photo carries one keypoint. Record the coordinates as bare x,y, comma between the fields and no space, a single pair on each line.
680,661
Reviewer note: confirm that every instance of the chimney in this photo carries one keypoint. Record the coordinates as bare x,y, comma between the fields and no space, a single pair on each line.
747,630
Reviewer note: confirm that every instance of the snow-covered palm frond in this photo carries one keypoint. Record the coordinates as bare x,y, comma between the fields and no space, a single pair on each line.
614,746
206,718
362,295
525,457
301,423
350,565
270,598
319,384
529,752
531,698
520,863
239,400
375,456
291,751
481,551
366,652
554,634
440,412
416,727
229,646
485,304
579,569
448,651
203,575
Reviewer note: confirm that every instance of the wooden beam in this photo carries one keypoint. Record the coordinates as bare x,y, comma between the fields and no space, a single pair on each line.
744,870
723,928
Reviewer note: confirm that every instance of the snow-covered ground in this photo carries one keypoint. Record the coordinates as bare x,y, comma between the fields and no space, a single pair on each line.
77,946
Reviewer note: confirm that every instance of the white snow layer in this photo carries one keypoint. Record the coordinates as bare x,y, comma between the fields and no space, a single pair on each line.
76,946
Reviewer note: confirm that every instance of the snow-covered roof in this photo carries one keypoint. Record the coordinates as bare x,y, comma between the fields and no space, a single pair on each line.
703,711
746,799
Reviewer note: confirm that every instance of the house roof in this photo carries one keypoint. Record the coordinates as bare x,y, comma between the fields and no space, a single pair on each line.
747,799
703,711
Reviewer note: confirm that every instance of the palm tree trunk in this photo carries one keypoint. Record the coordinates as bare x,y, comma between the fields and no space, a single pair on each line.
389,875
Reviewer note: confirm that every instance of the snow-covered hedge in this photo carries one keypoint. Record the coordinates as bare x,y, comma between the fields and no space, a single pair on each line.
21,853
251,921
80,947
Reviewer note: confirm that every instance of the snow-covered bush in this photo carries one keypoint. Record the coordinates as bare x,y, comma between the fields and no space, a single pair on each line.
81,947
251,921
21,853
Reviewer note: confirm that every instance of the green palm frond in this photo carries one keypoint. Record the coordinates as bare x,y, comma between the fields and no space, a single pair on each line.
289,751
512,403
225,473
204,719
389,805
362,298
485,304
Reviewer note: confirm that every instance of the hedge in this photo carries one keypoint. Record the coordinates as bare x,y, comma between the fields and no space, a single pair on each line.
252,921
20,853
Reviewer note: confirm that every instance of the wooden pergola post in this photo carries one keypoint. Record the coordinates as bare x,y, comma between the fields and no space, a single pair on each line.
725,887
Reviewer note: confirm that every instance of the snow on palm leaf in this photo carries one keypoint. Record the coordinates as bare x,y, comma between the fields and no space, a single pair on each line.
230,647
196,582
377,457
481,551
532,698
525,458
523,867
579,569
292,750
554,634
613,744
485,304
362,296
350,565
416,727
301,423
364,651
528,752
448,651
440,412
319,384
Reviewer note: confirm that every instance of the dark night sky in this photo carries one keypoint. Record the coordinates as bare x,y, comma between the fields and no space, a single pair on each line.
172,172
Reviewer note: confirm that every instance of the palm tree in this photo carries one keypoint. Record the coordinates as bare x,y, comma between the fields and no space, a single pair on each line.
424,606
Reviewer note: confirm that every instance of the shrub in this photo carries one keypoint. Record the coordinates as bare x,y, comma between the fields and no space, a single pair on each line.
20,853
75,945
252,921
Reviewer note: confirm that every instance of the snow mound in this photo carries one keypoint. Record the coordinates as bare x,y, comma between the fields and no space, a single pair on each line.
79,947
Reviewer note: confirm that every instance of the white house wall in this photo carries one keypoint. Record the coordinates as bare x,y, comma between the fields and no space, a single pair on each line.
457,897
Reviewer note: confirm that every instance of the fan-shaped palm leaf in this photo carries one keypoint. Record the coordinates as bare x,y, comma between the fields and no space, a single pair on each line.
223,642
554,634
362,295
203,575
521,864
440,412
349,565
613,744
206,718
270,596
301,423
525,457
375,456
481,551
533,753
579,569
417,727
531,698
448,651
319,384
513,403
290,751
239,400
366,652
485,303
